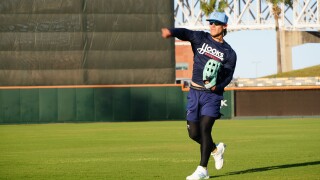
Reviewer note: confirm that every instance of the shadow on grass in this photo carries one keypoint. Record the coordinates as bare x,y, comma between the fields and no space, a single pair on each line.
262,169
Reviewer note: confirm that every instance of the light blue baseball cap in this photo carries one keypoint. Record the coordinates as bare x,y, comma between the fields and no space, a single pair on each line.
218,16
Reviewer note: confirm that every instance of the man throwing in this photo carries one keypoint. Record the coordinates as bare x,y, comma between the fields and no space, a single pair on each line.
214,65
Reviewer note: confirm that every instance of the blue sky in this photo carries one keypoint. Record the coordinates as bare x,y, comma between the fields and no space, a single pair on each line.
256,51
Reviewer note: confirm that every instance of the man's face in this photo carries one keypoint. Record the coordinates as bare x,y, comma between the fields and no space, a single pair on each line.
216,28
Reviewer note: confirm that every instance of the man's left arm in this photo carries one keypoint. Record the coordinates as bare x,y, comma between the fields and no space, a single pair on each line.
226,73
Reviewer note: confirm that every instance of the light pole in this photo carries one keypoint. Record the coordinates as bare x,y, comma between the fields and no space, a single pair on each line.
256,63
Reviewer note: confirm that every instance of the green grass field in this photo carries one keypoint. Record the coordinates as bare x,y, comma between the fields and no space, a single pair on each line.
256,149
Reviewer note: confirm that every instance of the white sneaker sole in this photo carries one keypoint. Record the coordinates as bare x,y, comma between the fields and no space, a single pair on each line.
224,147
207,177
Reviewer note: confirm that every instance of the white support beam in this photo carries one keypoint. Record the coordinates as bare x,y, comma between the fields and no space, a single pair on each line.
251,14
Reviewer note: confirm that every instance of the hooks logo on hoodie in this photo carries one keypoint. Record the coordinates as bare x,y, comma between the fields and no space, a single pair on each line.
210,52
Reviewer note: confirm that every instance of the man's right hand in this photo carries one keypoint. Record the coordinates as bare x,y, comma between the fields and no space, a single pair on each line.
165,33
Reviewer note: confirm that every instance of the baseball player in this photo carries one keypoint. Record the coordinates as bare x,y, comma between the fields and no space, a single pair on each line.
213,68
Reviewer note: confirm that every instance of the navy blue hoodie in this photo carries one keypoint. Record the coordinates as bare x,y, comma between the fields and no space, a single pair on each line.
205,48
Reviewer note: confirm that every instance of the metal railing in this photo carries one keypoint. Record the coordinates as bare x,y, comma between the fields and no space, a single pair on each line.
251,15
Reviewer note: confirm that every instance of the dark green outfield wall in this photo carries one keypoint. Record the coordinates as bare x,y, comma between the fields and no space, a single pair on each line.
94,104
91,104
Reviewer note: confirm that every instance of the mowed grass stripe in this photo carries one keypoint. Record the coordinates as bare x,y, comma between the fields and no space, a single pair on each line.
256,149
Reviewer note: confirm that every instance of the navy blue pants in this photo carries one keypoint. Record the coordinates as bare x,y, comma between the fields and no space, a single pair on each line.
203,103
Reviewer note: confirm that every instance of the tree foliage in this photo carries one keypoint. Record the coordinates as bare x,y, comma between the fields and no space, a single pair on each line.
213,5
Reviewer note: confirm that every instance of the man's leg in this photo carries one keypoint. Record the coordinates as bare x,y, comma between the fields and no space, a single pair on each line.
194,131
207,144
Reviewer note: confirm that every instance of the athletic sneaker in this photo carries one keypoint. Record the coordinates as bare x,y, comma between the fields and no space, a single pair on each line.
200,173
218,156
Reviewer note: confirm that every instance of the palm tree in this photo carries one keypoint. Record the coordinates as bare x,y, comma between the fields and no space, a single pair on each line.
211,6
276,11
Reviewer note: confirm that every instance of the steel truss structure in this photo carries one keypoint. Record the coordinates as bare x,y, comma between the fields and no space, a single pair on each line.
252,15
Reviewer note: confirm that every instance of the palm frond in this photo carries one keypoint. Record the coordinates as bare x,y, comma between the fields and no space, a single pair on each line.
211,6
222,6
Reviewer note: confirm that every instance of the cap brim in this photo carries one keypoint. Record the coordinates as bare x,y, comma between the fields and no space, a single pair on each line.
215,21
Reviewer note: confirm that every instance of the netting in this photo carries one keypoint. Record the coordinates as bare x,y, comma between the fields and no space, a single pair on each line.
79,42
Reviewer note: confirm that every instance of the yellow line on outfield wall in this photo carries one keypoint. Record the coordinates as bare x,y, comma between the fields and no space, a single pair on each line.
91,86
273,88
266,88
162,85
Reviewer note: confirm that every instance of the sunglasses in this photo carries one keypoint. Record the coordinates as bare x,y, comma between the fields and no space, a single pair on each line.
217,23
